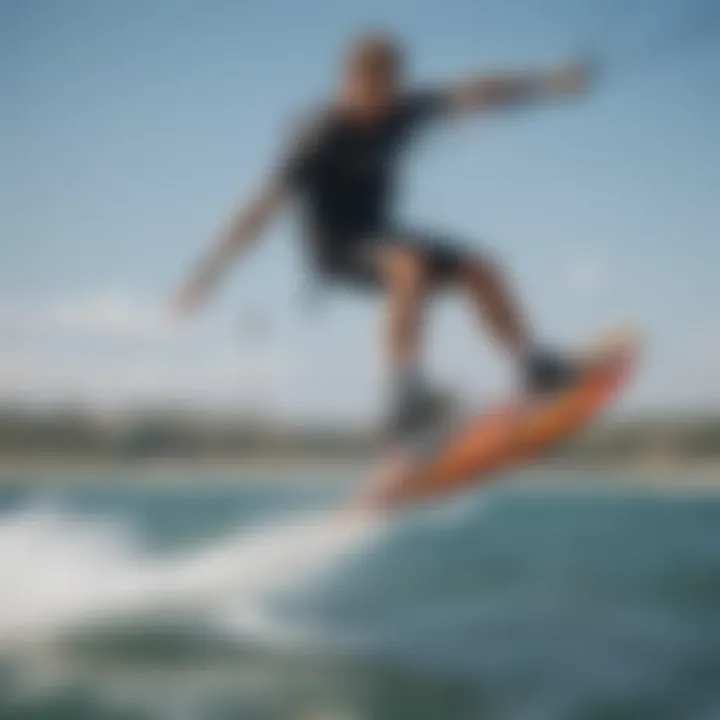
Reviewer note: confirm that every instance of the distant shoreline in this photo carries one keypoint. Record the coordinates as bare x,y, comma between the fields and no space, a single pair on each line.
241,470
305,470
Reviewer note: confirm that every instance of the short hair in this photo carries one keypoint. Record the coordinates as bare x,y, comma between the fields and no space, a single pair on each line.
375,46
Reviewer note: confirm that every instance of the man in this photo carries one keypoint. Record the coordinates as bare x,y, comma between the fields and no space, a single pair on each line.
341,169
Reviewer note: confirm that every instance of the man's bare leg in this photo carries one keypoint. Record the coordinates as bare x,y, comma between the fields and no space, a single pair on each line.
407,284
542,371
405,275
497,305
407,281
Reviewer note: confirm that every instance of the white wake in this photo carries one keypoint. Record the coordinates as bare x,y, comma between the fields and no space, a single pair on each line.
60,572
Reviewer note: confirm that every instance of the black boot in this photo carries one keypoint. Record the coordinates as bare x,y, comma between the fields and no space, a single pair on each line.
547,372
416,412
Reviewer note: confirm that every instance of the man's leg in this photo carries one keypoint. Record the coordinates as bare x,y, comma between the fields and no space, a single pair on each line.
405,276
408,277
543,371
409,274
485,284
405,273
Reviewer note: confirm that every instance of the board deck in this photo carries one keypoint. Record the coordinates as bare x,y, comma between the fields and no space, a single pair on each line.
513,433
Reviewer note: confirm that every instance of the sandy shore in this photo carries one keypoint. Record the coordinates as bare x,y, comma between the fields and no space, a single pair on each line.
251,470
54,469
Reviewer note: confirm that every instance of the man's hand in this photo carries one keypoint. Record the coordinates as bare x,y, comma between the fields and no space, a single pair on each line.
243,228
570,78
188,300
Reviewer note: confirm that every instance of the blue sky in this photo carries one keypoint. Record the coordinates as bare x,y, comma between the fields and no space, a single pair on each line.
129,130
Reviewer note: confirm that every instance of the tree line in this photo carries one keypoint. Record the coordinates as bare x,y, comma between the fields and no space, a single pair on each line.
173,433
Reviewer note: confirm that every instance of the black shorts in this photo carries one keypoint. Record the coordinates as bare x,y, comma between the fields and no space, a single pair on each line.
353,263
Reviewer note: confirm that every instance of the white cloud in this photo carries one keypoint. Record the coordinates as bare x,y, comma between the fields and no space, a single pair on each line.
116,349
116,316
101,316
112,350
119,351
139,375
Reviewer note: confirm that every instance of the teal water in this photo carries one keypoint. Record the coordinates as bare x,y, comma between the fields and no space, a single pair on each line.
531,600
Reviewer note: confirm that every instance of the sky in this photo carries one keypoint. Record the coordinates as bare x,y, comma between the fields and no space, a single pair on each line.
129,130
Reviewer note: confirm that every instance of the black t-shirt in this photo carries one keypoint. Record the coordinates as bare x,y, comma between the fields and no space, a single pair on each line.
343,172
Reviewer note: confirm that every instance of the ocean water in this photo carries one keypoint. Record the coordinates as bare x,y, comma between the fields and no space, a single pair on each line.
553,596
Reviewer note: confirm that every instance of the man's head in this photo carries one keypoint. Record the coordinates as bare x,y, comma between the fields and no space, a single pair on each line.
372,74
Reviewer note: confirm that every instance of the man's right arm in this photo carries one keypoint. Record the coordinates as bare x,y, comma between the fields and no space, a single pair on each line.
243,228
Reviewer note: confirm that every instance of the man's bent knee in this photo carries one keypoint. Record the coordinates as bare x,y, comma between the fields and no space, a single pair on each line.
404,269
479,269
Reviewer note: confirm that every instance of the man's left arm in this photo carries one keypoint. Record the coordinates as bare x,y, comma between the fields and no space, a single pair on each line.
507,89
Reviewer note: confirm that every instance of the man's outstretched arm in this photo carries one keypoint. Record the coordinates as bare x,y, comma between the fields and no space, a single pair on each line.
243,228
515,88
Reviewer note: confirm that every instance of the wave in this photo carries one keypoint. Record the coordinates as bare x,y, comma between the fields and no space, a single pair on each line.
61,572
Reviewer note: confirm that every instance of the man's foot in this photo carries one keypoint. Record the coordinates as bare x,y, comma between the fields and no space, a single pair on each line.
548,372
417,413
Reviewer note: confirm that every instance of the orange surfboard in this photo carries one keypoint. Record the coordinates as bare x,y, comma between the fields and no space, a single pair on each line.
511,434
